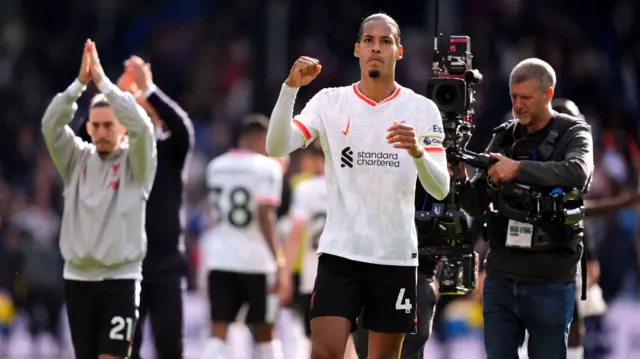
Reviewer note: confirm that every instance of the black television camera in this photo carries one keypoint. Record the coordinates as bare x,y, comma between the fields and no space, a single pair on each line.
452,88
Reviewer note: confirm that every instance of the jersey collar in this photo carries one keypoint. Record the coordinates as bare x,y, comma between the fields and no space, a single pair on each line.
364,98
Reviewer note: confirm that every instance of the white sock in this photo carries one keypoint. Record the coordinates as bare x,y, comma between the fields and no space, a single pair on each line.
270,350
213,349
575,353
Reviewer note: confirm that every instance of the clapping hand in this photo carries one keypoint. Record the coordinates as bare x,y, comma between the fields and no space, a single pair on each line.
97,72
137,79
84,75
140,73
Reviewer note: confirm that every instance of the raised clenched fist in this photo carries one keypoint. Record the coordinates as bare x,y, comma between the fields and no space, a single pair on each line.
303,71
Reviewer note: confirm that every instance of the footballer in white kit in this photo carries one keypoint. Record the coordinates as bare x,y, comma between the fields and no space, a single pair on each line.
374,150
240,250
308,214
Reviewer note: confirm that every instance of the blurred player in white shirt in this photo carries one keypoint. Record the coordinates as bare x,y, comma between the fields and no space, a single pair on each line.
241,249
308,214
377,136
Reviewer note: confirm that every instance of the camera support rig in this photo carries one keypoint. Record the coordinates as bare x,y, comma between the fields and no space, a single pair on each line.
452,89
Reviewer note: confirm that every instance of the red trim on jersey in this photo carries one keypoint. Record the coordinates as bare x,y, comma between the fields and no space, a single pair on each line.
434,149
303,129
370,101
268,200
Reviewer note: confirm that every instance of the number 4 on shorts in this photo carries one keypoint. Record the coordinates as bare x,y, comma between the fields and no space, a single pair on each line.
406,306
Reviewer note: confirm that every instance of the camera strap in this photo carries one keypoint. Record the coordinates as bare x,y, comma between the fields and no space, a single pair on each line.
559,127
562,123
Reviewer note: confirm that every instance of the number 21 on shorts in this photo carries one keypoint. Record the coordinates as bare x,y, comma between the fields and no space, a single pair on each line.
122,328
406,305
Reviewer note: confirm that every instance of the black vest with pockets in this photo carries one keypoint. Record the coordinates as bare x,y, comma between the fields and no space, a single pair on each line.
512,141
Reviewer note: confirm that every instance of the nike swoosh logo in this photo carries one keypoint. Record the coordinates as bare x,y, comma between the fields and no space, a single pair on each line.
346,131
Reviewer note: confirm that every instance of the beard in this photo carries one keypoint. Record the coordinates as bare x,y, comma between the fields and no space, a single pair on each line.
103,154
103,149
374,73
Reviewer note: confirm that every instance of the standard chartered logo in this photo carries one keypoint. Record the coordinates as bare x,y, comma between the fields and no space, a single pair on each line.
364,158
346,159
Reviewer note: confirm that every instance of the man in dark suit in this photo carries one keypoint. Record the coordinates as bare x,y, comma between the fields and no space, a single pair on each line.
165,264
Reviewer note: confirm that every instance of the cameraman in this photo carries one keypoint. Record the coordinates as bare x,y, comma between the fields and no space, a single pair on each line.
531,269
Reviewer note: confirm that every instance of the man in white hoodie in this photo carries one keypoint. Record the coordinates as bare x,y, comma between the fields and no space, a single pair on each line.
106,186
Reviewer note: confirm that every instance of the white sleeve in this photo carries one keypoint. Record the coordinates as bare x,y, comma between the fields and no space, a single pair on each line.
63,145
432,166
142,142
286,133
299,211
269,189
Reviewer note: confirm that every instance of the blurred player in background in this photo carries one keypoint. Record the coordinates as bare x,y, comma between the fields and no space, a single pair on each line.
594,305
308,217
165,264
374,135
241,250
107,184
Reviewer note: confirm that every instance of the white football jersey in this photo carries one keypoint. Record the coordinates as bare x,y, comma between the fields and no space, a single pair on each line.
309,205
239,181
371,184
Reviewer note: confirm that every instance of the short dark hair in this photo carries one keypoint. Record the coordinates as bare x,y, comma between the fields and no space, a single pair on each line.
253,123
98,101
533,69
250,124
381,16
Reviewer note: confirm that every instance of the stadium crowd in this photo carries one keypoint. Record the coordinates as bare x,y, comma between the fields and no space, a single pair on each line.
224,60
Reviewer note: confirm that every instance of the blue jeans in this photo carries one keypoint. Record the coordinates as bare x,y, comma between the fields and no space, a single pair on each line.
510,307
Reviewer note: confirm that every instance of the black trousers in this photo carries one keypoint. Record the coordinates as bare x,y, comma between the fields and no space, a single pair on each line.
161,301
51,300
414,343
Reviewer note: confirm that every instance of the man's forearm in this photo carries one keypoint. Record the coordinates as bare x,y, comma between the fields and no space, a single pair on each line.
553,174
142,142
59,138
573,172
433,174
610,205
173,116
267,220
126,109
292,244
283,137
62,108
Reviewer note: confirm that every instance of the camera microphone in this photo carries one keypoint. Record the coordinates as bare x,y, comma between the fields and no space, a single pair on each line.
473,76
